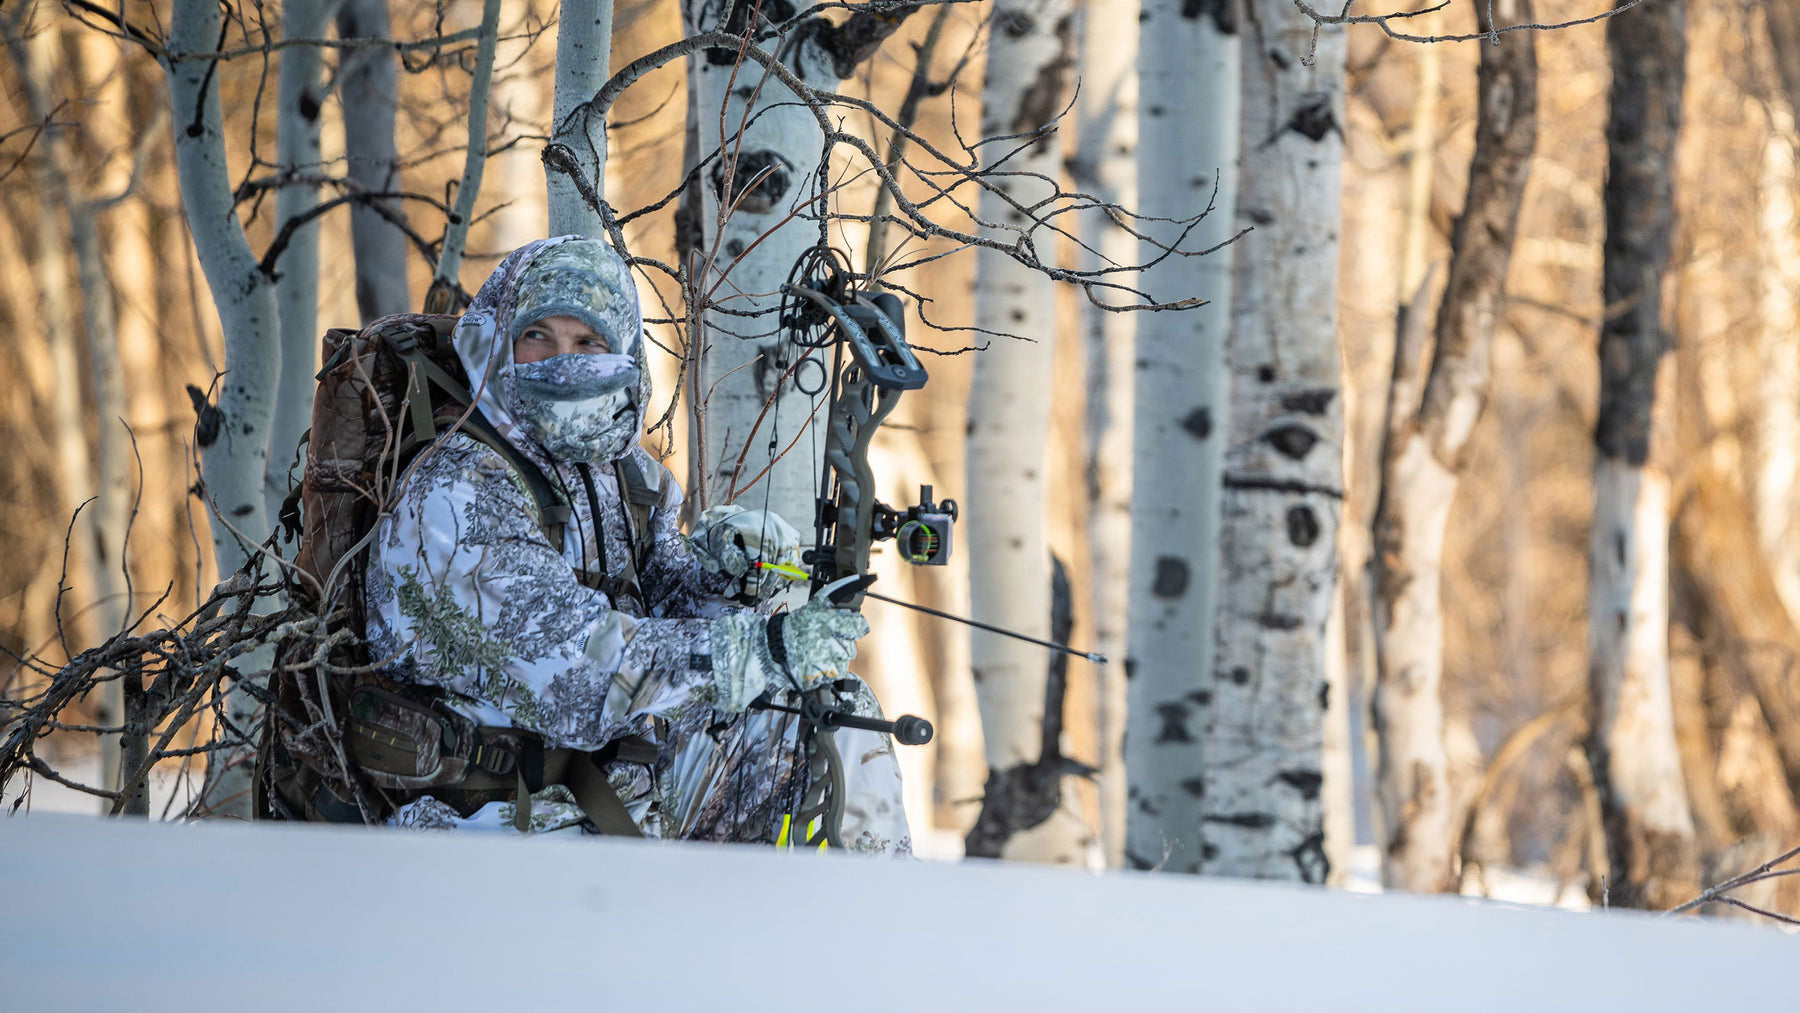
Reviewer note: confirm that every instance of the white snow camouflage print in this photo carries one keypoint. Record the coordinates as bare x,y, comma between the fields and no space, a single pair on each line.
465,592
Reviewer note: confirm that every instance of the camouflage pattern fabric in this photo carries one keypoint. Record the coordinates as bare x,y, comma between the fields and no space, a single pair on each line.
732,539
464,592
578,407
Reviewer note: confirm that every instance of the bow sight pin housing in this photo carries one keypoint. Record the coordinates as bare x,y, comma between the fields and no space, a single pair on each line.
922,532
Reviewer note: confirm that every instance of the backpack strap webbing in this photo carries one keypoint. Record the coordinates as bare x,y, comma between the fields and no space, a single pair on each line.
553,510
580,773
641,500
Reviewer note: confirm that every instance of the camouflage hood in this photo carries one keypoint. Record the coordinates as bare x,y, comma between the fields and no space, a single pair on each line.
579,407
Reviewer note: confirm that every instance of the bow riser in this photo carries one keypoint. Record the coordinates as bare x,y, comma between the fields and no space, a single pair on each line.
858,412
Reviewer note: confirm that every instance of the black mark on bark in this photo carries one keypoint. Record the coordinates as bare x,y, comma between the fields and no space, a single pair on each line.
1222,12
1043,100
1249,821
1302,526
762,177
1198,423
208,419
1292,440
1306,782
1313,402
1309,858
1314,120
1172,577
1174,723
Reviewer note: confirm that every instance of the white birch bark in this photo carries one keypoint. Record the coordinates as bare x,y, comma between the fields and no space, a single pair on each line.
1283,486
95,609
299,100
1777,408
34,50
107,515
1105,165
1631,737
1426,446
368,89
1009,414
462,213
1189,74
583,63
758,211
766,146
235,456
518,181
106,383
233,433
1648,811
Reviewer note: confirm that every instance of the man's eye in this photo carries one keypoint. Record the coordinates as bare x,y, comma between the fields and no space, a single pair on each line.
599,343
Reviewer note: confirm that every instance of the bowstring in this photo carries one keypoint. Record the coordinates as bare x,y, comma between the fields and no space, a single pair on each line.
829,392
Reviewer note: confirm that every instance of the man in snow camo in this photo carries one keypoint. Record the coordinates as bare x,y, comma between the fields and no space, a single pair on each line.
622,632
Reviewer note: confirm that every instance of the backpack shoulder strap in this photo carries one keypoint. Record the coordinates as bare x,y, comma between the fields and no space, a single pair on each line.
641,494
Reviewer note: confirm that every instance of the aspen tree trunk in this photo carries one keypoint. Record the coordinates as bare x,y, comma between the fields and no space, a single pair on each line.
35,57
758,212
233,433
1190,72
105,368
468,189
767,171
1631,739
1423,457
583,63
765,150
519,182
107,517
134,421
1716,548
368,90
235,446
299,100
1026,813
1778,411
1105,165
99,537
1283,468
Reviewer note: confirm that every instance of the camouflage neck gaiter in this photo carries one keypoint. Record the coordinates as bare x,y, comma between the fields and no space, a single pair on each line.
580,408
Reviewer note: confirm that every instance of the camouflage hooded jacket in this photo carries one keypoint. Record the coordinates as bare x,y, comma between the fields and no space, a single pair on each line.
465,592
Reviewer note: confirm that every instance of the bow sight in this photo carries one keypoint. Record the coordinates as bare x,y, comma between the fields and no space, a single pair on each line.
922,531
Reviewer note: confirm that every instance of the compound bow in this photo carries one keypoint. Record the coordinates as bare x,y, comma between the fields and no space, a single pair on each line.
872,366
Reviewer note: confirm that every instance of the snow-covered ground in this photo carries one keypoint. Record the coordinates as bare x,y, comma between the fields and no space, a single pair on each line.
115,914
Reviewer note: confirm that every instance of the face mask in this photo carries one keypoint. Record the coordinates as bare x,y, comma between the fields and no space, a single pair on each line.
580,408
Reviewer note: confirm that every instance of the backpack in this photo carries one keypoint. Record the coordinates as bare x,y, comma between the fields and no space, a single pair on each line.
344,742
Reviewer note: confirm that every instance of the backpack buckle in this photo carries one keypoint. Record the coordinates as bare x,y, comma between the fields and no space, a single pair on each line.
492,757
401,339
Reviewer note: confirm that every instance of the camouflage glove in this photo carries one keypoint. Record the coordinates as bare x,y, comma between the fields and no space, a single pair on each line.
819,639
752,654
730,539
